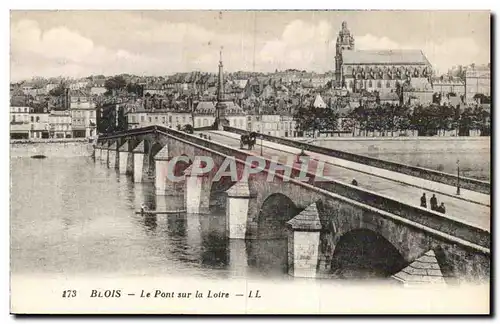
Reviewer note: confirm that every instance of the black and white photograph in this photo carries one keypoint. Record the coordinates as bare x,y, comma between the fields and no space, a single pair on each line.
250,162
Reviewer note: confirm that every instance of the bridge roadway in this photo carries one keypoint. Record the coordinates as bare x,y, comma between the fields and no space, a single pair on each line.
470,207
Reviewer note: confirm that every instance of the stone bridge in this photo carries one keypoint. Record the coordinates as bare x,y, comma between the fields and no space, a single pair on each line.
331,227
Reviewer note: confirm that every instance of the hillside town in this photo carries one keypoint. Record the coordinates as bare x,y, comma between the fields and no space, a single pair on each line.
367,93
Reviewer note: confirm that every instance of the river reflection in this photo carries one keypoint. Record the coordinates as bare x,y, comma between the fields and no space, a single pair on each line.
75,217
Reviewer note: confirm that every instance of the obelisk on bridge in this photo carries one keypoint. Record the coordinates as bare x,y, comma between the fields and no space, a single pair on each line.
220,107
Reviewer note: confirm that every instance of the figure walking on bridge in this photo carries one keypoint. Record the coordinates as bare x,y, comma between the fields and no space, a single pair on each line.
434,202
423,201
441,208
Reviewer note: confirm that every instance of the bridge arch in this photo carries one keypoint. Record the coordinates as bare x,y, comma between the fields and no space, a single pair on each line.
364,253
275,211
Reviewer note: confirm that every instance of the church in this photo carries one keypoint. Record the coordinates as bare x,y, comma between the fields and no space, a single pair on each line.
379,70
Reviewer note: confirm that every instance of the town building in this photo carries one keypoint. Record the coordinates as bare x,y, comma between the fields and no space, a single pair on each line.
79,84
83,113
20,122
477,81
319,102
60,124
39,125
50,86
445,86
235,115
204,114
97,87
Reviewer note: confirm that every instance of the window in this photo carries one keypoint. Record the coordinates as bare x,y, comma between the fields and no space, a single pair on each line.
149,119
169,119
142,118
37,119
388,84
379,84
32,119
156,118
370,84
164,119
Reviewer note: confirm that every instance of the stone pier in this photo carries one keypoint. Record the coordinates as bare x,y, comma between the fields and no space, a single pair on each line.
238,199
104,154
424,270
196,192
303,243
123,158
138,153
161,165
97,152
112,156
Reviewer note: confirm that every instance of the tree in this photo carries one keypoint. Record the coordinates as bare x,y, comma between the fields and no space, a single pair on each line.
134,88
114,84
403,118
445,118
57,91
360,115
482,120
315,119
465,123
482,99
425,120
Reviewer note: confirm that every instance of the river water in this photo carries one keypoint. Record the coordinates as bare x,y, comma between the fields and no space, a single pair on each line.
72,216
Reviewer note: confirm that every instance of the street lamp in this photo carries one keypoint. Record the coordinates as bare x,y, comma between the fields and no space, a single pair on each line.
261,135
458,177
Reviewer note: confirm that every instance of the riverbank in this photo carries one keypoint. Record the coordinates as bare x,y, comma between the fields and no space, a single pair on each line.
51,148
48,140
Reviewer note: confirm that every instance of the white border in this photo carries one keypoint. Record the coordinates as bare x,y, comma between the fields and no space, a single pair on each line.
186,4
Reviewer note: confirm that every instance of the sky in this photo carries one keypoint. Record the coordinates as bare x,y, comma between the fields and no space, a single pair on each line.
83,43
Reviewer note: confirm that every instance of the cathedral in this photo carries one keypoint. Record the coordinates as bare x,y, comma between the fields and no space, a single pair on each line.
379,70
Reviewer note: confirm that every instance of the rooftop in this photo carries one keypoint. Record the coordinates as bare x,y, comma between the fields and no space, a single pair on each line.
385,57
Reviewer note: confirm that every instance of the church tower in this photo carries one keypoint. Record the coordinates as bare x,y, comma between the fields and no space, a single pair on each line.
220,107
345,41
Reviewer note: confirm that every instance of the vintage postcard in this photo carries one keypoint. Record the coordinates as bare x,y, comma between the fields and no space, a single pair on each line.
250,162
